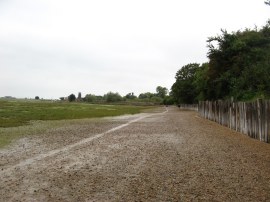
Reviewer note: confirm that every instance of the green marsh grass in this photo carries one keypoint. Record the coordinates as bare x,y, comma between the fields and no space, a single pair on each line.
18,113
20,118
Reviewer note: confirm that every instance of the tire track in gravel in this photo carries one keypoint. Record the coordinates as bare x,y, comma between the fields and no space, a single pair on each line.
77,144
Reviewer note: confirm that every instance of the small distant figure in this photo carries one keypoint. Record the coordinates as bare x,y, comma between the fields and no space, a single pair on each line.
178,105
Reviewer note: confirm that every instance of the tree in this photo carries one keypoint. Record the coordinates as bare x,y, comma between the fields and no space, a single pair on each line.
168,100
112,97
130,96
237,63
200,82
90,98
161,91
184,90
71,98
156,100
93,98
147,95
37,98
239,67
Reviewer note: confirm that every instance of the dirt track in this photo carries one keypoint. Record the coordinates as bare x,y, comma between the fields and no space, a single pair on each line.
171,156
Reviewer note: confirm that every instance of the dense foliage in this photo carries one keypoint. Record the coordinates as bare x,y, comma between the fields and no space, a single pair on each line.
71,98
239,67
160,97
184,90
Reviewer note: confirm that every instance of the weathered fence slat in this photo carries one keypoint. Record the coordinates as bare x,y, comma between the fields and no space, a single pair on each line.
252,118
189,106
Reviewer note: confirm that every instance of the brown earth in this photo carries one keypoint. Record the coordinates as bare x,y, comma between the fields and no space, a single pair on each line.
169,156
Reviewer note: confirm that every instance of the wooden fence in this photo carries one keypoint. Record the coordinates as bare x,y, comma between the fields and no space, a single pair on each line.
189,106
250,118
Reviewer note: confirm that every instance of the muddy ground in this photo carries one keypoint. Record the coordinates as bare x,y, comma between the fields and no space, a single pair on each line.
166,156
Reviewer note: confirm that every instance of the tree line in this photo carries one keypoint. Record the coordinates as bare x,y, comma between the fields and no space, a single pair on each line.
160,97
238,67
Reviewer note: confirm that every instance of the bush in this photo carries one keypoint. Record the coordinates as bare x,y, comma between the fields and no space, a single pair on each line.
71,98
112,97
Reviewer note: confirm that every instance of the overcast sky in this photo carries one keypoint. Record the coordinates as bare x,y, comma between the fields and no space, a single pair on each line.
52,48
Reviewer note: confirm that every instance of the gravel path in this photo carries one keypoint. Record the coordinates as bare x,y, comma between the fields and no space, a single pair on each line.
166,156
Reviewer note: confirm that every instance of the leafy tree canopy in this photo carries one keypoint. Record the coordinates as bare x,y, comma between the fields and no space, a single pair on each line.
183,90
161,91
239,64
239,67
130,96
71,98
112,97
146,95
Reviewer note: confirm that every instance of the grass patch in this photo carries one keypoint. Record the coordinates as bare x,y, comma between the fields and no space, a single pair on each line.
18,113
21,118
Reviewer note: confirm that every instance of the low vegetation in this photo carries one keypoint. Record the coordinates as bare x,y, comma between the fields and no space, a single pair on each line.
17,113
160,97
20,118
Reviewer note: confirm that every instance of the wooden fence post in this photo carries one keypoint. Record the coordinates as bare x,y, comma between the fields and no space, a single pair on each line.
252,119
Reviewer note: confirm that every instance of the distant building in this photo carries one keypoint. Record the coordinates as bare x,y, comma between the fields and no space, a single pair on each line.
79,98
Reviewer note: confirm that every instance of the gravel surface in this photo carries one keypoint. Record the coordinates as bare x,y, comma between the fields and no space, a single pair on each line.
166,156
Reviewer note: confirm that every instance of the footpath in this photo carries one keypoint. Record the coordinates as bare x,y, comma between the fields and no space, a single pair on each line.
171,155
